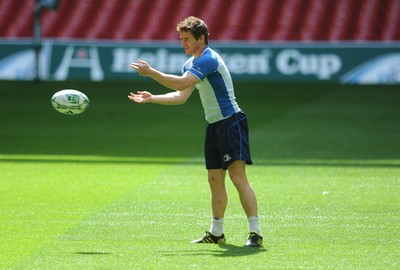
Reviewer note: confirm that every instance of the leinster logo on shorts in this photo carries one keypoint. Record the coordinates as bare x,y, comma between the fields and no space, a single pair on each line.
227,157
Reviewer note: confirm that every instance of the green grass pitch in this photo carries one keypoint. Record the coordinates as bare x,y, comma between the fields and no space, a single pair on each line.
123,186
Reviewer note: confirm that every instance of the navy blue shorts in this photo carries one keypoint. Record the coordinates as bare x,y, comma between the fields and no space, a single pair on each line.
227,141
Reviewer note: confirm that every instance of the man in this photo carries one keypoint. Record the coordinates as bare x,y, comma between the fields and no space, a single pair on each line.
226,143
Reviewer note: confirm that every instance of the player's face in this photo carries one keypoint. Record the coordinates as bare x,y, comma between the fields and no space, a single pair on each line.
190,44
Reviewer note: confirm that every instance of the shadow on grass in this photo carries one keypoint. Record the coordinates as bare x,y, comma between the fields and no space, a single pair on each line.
225,250
182,162
92,253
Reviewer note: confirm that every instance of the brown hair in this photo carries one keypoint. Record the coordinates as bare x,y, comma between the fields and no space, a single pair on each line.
195,25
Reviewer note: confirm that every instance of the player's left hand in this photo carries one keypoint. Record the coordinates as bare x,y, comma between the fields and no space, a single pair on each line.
141,97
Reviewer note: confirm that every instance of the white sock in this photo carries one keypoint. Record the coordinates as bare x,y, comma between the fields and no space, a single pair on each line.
217,226
253,222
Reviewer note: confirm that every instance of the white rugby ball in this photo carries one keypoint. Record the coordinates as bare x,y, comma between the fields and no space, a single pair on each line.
70,101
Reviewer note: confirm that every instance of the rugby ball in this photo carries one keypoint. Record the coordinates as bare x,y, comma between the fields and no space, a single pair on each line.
70,102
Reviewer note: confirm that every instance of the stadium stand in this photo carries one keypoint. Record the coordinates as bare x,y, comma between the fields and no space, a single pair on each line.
239,20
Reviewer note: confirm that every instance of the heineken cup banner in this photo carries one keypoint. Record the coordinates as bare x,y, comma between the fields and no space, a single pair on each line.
347,63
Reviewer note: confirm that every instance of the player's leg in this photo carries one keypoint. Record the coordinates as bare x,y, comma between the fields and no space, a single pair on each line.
219,197
216,180
219,200
237,173
247,196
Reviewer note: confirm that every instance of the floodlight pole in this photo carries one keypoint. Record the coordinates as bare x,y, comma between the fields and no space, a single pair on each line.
37,30
37,39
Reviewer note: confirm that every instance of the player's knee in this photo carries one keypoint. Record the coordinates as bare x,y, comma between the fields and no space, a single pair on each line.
239,180
215,180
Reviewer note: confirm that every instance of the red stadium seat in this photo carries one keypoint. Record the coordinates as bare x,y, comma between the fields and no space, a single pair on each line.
130,23
242,20
157,17
391,22
313,23
341,19
289,14
104,26
367,20
234,23
52,22
8,9
21,22
78,20
261,23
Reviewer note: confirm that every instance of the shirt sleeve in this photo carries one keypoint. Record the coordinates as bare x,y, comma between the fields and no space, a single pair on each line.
204,66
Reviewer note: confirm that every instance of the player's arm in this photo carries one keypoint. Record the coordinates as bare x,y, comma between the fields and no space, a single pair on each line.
171,98
186,81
